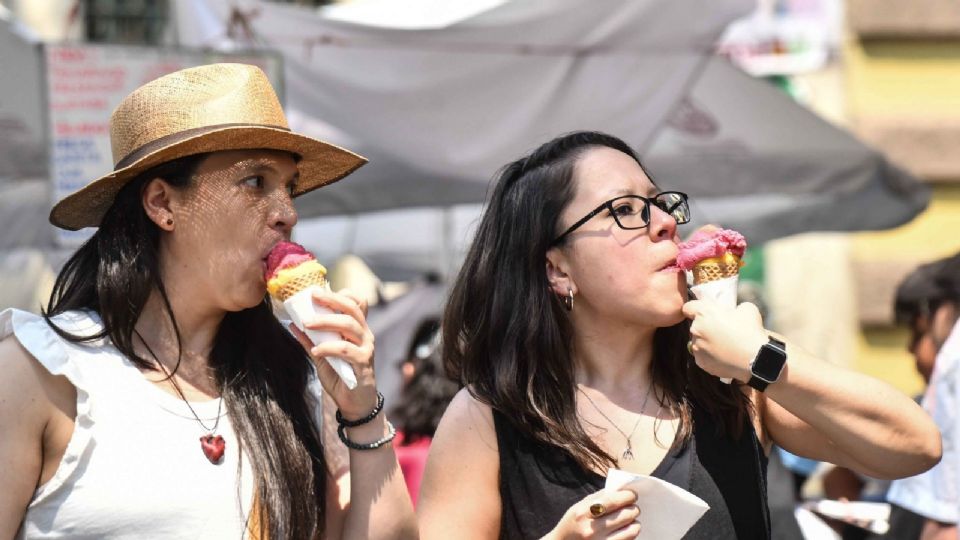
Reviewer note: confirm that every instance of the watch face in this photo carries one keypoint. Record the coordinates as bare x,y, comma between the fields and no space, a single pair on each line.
769,363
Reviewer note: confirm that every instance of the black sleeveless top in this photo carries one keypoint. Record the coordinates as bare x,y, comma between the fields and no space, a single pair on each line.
539,482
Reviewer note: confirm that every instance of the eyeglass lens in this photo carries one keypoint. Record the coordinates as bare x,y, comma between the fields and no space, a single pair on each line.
634,213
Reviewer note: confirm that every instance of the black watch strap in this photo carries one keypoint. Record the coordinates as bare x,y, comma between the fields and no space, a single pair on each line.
757,383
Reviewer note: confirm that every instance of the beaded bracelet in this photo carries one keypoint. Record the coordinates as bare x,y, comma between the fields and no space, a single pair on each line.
373,414
391,433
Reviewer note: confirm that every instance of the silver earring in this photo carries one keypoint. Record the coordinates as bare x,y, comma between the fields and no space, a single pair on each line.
568,299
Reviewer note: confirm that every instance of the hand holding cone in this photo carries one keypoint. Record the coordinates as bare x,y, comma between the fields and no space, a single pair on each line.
292,273
713,256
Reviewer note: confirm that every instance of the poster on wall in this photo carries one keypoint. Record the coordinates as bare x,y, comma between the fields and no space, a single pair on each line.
86,82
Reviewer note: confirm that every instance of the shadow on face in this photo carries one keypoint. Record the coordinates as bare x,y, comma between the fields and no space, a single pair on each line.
237,207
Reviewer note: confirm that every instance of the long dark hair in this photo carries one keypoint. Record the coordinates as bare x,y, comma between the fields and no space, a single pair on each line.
261,370
507,337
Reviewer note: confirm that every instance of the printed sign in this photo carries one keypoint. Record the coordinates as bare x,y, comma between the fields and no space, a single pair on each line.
84,85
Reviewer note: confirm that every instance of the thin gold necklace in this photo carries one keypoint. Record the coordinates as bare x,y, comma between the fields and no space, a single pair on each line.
628,451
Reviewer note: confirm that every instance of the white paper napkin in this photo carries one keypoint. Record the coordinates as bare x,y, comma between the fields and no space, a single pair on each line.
722,291
301,307
666,511
872,516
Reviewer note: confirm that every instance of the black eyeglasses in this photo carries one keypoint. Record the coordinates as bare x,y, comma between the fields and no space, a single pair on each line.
633,211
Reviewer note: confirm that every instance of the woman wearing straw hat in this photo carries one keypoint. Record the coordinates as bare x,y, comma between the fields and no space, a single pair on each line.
159,332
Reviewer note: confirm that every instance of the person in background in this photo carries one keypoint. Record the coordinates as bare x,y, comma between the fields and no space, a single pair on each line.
424,397
917,299
935,494
914,296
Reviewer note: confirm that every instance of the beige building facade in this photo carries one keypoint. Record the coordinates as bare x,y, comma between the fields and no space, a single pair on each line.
897,86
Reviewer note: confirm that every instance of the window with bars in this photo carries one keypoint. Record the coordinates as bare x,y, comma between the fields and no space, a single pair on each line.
138,22
134,22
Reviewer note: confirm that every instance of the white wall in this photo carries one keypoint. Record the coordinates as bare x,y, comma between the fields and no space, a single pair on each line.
50,19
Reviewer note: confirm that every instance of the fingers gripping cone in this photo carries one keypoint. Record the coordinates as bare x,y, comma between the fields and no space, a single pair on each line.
293,276
713,257
301,307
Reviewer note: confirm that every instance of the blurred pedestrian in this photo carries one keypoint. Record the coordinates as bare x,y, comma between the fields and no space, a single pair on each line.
935,495
914,296
424,397
918,298
159,334
568,326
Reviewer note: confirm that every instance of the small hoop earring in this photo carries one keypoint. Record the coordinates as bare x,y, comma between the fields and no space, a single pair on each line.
568,299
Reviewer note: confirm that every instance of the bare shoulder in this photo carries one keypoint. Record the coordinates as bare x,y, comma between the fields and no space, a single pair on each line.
466,435
464,465
26,386
467,416
33,403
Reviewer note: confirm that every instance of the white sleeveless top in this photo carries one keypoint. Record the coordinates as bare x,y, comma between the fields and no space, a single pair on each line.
133,467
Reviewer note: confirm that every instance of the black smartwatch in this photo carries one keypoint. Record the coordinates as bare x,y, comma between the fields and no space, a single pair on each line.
768,365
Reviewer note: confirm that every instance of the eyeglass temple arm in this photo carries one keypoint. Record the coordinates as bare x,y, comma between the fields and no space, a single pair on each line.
583,220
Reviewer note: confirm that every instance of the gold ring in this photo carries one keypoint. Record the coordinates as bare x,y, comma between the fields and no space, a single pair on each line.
597,509
690,346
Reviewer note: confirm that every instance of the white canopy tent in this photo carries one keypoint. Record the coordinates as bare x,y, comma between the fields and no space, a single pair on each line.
439,106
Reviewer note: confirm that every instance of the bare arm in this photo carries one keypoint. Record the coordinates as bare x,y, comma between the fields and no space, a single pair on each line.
934,530
459,494
836,415
338,472
817,409
31,400
376,503
379,502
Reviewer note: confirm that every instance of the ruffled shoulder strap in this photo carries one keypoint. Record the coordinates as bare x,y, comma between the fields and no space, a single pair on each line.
54,353
41,341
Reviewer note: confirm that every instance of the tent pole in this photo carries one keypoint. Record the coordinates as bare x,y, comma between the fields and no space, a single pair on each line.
447,261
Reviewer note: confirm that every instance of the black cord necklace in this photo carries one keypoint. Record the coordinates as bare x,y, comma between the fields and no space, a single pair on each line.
211,443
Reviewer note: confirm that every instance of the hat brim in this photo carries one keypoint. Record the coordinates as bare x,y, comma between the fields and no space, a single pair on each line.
320,164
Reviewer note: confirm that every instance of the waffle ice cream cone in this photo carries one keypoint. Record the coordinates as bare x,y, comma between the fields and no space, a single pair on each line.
716,268
297,279
292,276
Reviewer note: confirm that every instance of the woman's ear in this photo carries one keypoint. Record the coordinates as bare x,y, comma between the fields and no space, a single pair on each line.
156,196
560,281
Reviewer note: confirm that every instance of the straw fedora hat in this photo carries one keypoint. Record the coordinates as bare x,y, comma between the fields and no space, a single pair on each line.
193,111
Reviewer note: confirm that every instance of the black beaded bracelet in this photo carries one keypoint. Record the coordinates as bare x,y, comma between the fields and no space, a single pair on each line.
373,414
391,433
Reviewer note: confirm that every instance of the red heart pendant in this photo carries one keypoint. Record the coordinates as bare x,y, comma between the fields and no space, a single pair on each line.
212,446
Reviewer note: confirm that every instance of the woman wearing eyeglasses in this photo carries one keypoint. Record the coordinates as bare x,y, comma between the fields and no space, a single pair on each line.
571,329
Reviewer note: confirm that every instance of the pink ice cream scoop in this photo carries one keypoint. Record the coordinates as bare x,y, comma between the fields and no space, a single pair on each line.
710,244
285,255
293,276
